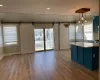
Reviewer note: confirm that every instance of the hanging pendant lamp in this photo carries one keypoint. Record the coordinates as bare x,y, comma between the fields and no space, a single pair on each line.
82,12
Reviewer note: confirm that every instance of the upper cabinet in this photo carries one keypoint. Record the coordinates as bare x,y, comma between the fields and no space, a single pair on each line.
95,24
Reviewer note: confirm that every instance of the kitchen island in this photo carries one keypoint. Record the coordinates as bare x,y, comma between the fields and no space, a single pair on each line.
86,54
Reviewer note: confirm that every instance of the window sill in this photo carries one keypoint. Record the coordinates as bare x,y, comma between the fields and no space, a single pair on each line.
10,45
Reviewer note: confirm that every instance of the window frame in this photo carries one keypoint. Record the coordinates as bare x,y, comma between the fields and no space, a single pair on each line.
78,28
10,43
70,38
83,33
88,31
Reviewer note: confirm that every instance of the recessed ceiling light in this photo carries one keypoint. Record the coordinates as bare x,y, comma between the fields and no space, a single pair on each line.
48,8
1,5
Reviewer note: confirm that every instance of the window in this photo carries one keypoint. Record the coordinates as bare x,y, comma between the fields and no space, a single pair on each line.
72,32
10,34
79,32
88,31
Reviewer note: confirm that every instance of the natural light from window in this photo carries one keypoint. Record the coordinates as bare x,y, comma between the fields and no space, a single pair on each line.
10,34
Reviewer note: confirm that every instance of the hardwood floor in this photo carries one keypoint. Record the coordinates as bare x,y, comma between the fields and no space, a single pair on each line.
48,65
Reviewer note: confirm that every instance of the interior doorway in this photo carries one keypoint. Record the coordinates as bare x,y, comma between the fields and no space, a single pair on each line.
44,39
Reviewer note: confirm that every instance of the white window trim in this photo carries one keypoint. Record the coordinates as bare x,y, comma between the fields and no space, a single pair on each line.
5,44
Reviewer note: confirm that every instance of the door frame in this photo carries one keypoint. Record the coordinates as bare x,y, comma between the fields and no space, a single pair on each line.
44,39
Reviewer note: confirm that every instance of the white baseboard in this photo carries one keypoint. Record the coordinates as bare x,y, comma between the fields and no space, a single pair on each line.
62,49
9,54
27,52
2,56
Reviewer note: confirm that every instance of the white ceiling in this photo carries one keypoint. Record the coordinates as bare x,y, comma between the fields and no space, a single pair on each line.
35,10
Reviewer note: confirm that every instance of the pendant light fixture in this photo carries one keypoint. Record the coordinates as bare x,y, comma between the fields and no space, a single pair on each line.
82,12
85,18
82,17
79,19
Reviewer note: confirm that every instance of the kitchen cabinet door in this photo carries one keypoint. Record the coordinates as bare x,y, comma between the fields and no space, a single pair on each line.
74,53
88,58
80,55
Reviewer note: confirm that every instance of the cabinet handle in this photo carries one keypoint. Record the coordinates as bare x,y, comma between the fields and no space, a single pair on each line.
93,55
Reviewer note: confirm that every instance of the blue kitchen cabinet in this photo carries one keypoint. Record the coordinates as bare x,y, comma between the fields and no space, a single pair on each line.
74,53
88,58
80,54
95,24
95,60
91,57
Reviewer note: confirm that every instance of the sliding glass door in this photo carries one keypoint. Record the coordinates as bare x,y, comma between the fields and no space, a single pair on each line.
44,39
49,41
39,39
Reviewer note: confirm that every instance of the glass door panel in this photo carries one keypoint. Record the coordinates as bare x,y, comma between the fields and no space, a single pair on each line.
39,39
49,39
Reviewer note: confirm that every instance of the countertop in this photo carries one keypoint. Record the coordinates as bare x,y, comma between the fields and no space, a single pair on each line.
85,44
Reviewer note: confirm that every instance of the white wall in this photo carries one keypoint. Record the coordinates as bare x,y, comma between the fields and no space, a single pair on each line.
27,38
56,37
15,48
64,37
61,37
1,44
96,36
43,25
